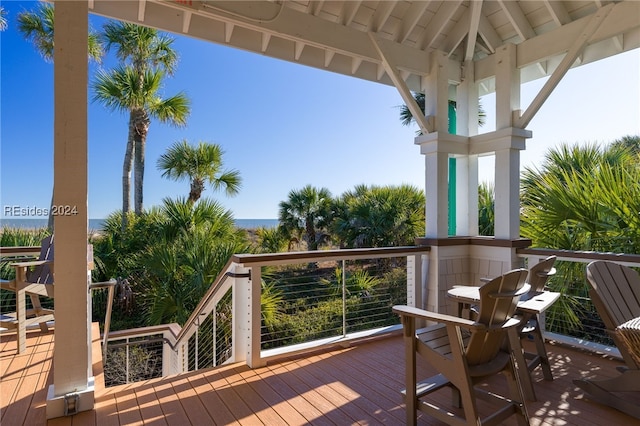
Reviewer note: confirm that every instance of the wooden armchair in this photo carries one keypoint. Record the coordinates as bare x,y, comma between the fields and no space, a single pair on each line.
615,292
465,353
33,279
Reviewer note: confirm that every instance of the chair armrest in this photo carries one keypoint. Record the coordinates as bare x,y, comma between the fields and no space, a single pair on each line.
434,316
31,263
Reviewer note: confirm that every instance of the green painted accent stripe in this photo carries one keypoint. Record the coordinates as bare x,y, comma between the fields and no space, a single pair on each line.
452,174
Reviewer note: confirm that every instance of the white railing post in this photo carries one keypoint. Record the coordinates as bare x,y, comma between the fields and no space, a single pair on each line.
414,281
344,299
246,315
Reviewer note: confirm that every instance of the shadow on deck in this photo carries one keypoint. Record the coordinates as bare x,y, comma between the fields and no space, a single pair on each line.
353,385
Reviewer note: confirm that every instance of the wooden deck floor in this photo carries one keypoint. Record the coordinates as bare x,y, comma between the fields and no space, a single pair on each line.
355,385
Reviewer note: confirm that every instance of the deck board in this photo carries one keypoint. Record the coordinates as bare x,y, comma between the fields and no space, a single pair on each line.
353,385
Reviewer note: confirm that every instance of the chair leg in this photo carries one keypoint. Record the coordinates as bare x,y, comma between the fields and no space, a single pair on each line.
522,368
21,317
517,394
600,390
542,352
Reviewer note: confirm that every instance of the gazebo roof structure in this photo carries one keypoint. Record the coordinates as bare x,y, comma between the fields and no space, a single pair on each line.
451,50
337,35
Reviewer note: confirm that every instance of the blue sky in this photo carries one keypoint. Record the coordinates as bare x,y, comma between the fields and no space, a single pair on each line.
282,125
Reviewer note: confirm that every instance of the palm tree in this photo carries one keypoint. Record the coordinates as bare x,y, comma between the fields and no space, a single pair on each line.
145,53
198,164
3,19
37,26
126,90
406,117
380,216
308,211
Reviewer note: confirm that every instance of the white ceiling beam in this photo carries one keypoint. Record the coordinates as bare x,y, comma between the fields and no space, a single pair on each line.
438,22
517,19
379,71
315,7
574,52
457,34
622,19
228,31
558,12
142,5
186,21
475,10
618,41
381,15
355,64
296,26
488,33
410,19
266,38
400,84
349,10
298,48
328,57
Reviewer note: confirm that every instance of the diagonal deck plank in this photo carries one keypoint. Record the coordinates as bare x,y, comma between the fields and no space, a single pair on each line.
353,385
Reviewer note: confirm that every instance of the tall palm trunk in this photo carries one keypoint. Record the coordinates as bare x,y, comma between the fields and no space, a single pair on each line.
126,171
142,122
311,234
197,186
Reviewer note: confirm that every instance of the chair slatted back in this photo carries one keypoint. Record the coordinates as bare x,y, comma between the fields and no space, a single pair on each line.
615,290
498,300
540,273
42,274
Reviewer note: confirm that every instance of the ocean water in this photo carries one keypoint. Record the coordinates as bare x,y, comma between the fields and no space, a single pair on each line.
96,224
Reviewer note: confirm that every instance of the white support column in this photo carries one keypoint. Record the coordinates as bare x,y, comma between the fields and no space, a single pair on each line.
436,166
507,164
507,201
436,107
72,376
467,125
507,86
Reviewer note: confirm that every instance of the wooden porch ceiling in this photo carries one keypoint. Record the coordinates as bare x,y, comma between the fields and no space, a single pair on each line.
337,35
355,385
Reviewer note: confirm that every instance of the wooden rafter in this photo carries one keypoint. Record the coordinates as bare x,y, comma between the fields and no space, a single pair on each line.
411,19
475,10
381,15
558,12
438,22
574,52
349,10
517,19
400,84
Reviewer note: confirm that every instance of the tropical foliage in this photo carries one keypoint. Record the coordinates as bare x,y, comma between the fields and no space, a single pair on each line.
37,26
379,216
198,164
486,209
3,19
307,213
583,198
169,256
134,86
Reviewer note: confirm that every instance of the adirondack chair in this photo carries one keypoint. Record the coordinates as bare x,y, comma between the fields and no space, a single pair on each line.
33,279
466,353
615,292
530,326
